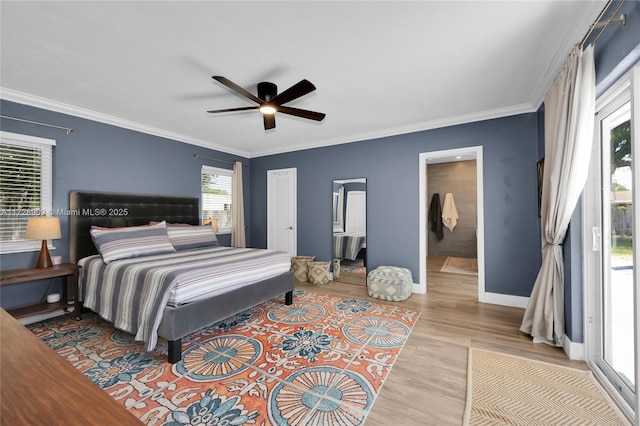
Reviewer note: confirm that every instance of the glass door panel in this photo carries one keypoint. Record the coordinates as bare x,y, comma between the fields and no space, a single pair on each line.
617,297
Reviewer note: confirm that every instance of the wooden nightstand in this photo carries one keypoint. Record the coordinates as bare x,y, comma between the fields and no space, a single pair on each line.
23,275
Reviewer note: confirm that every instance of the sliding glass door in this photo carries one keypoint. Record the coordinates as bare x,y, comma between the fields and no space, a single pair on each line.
612,264
618,257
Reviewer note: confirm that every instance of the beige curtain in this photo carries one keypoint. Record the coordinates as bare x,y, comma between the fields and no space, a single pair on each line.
569,117
237,208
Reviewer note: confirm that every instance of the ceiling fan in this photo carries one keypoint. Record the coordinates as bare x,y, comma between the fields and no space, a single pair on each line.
269,101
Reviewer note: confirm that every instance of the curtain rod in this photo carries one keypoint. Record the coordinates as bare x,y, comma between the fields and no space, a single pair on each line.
604,24
37,122
215,159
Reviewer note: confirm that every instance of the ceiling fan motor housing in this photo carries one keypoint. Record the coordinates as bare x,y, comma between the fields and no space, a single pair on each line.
269,102
267,91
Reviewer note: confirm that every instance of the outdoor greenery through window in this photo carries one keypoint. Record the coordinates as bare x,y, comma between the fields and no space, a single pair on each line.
621,203
215,196
25,187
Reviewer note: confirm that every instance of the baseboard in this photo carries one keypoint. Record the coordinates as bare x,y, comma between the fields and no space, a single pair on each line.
575,351
417,288
505,300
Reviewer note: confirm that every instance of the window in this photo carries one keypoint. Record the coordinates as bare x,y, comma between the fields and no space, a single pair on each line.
25,187
216,191
611,215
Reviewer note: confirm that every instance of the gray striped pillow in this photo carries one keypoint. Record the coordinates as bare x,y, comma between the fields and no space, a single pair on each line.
131,241
190,237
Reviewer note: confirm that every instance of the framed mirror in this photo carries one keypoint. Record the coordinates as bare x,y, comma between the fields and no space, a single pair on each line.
349,233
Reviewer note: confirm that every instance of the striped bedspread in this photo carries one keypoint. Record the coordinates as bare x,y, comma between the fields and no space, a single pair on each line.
347,246
132,293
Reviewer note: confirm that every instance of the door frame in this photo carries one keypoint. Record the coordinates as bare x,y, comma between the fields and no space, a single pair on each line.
434,157
593,240
293,206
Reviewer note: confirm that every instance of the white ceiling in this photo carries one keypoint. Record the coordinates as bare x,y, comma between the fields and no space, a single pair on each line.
380,67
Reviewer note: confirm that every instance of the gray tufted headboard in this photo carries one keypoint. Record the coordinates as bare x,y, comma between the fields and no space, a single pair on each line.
111,209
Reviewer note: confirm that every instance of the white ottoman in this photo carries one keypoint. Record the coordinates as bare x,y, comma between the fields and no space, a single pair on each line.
390,283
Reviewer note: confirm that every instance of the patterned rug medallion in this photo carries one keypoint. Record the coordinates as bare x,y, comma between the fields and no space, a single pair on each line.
460,265
320,361
509,390
353,266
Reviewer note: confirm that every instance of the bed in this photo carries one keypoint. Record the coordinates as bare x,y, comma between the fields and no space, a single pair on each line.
348,245
176,320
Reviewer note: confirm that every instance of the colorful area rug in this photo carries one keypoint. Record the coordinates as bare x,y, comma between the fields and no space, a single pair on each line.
353,266
509,390
320,361
460,265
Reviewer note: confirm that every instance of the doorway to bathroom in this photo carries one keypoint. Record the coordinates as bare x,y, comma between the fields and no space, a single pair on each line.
451,219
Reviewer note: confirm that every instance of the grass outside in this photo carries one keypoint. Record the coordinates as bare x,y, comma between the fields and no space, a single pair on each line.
622,246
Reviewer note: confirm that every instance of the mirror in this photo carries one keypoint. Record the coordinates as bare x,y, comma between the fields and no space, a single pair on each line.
349,200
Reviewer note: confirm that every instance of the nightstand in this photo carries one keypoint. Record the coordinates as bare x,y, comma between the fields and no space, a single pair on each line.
23,275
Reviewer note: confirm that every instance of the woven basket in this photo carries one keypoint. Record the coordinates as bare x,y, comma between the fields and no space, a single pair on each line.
336,268
299,266
319,273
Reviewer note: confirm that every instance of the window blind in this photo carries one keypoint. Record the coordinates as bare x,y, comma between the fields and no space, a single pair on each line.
216,192
26,173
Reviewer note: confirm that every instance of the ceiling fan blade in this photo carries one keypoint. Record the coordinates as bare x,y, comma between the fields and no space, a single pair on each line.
233,109
231,85
297,90
269,121
311,115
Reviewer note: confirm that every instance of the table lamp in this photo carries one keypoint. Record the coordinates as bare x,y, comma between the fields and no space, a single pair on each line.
43,228
213,223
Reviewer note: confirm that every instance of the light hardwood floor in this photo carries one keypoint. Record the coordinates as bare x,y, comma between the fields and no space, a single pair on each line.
352,278
427,384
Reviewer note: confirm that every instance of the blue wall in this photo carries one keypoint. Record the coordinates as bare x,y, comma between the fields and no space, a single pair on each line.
617,50
391,166
107,158
101,157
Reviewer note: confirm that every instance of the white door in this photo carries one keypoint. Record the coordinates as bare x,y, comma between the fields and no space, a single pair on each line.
356,221
612,273
281,210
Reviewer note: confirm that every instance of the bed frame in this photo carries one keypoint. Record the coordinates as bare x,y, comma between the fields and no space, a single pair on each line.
110,209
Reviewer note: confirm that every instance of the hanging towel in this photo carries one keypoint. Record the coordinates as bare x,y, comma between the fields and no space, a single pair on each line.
449,212
435,216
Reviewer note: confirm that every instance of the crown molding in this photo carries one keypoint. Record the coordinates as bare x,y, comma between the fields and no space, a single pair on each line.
412,128
38,102
589,13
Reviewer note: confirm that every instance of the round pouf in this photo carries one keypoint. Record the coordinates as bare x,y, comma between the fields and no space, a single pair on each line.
318,273
390,283
299,266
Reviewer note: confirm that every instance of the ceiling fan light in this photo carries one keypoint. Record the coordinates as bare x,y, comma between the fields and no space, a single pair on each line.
267,109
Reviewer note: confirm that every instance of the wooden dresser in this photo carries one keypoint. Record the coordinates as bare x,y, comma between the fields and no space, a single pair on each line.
38,387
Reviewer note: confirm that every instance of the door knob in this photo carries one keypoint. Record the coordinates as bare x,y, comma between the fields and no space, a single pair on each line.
289,228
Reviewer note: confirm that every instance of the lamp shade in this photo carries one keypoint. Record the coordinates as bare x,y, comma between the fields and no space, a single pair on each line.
43,228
